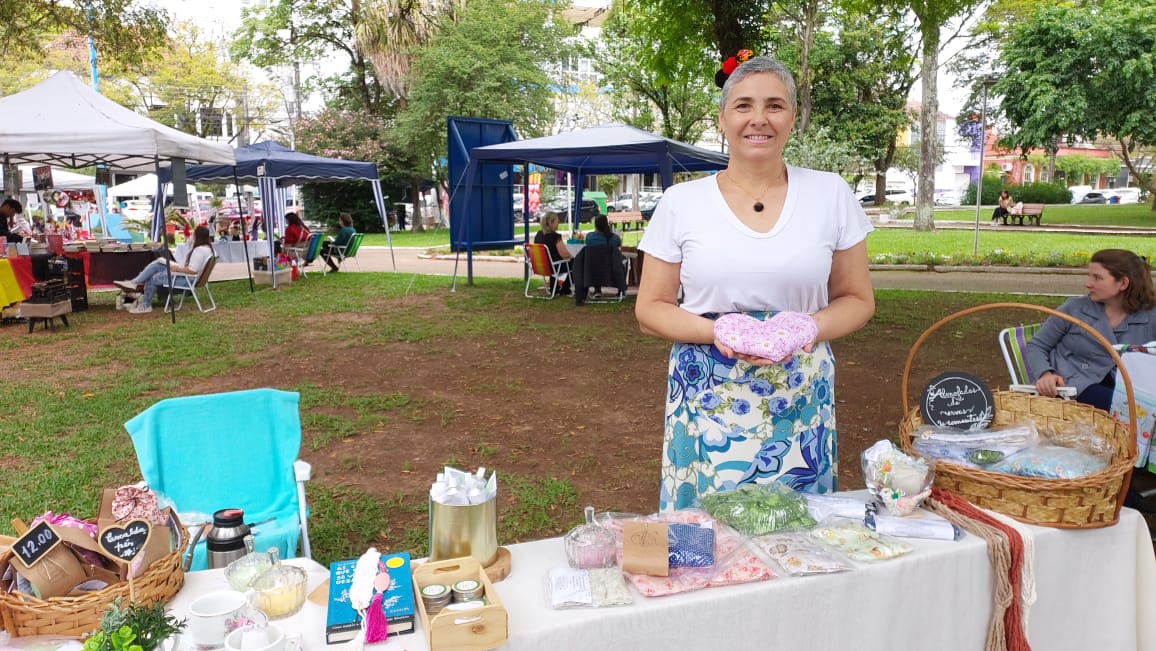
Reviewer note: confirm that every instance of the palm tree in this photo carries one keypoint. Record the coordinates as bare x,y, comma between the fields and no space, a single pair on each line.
390,35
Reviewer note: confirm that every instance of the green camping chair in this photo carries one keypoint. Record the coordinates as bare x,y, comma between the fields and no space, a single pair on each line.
340,254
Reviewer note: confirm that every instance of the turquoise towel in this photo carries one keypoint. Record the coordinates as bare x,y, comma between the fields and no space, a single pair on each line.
226,450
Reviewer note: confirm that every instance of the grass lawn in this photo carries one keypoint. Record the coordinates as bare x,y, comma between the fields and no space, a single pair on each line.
1133,214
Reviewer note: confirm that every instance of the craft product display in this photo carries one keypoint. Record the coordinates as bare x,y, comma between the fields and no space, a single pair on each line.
859,543
777,338
901,482
975,448
1089,501
62,573
589,546
757,509
799,554
734,562
569,587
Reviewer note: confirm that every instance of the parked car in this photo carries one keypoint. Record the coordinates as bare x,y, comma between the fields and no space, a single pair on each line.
1093,197
947,197
901,197
1127,195
646,206
138,210
1078,192
562,206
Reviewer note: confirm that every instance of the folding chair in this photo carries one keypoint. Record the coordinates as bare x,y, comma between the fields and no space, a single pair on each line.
340,254
598,267
185,284
229,450
307,254
538,263
1013,342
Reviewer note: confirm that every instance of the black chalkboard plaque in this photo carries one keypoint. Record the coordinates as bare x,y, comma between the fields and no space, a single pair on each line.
34,544
957,399
127,541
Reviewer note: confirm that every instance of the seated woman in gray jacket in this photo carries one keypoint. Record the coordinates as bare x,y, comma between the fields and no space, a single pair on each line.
1120,305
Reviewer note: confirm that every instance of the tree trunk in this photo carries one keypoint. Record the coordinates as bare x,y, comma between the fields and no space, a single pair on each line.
925,188
810,17
418,216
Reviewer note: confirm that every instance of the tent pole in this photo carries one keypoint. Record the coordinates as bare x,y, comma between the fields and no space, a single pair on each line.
244,230
168,256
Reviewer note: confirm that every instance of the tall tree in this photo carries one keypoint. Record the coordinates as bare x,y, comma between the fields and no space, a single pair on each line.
492,63
1078,71
307,32
675,83
123,30
391,37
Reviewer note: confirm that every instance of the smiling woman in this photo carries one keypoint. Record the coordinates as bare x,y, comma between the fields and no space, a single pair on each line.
794,241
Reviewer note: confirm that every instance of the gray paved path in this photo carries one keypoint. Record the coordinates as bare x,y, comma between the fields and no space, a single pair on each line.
1062,282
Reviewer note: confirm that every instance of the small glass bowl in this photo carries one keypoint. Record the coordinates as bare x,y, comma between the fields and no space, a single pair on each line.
589,546
280,590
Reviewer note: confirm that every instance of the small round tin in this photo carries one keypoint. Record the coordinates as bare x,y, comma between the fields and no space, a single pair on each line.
435,597
467,590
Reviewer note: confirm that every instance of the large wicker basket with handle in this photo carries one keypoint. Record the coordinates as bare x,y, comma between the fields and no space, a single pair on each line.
25,615
1082,503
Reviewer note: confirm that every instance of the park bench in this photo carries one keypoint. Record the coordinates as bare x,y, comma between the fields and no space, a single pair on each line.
627,220
1031,211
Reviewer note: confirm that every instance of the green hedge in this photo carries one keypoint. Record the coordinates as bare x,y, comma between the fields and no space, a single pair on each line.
1029,193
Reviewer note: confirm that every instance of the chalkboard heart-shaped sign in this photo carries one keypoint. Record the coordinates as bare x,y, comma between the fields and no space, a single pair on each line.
957,399
126,542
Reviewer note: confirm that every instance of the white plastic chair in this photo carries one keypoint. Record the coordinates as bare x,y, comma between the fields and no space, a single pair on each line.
185,284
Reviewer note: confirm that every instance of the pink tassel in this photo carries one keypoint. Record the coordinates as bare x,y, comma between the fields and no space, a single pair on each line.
376,628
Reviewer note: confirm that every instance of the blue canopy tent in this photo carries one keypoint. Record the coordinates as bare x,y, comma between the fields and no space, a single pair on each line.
606,149
272,167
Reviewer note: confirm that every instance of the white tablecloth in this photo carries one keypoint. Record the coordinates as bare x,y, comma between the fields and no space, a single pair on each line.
227,251
1096,590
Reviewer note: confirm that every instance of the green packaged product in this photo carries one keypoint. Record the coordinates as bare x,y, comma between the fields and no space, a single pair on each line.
757,509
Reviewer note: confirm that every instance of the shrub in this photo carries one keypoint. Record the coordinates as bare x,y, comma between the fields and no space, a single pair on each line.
1028,193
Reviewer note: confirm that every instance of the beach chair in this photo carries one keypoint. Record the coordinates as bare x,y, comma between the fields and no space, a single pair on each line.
307,254
340,254
186,284
229,450
539,264
1013,343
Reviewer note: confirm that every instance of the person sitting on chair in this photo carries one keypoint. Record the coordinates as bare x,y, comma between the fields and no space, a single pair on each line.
15,227
554,246
1004,208
343,238
296,235
155,274
602,235
1120,305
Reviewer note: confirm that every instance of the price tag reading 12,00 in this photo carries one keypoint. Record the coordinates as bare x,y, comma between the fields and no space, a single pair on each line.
34,544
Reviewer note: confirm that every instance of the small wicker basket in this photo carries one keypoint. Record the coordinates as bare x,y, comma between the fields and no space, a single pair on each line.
1086,502
24,615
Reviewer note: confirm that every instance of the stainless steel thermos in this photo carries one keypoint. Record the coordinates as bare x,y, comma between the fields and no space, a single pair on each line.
228,539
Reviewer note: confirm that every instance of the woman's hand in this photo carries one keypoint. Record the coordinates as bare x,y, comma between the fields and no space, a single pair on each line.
755,360
1047,384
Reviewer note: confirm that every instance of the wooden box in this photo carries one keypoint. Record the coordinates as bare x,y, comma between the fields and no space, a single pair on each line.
44,310
476,629
284,277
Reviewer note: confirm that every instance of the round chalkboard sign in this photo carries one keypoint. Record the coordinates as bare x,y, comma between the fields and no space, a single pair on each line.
957,399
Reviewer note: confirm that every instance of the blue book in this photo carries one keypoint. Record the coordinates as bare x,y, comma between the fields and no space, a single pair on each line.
342,622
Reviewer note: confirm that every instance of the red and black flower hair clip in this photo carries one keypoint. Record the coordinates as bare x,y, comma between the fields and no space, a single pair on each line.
729,66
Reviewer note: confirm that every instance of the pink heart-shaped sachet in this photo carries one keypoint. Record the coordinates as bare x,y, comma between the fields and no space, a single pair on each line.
777,338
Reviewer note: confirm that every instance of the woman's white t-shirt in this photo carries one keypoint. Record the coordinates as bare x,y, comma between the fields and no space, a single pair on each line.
727,267
199,257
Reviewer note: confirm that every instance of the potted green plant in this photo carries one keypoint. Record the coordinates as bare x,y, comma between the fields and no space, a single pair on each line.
135,627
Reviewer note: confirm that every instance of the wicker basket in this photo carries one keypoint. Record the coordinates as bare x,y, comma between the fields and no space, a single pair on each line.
1086,502
25,615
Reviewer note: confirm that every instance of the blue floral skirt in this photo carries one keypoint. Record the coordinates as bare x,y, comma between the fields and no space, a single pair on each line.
731,423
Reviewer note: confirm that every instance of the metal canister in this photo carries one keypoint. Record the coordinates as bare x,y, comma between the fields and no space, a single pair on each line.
469,530
435,597
226,540
467,590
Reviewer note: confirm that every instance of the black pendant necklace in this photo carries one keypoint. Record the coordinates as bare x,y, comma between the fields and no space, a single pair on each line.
758,206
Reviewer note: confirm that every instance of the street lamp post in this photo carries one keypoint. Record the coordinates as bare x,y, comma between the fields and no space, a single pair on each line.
987,81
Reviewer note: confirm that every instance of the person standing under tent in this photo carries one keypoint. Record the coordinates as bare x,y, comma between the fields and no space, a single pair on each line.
759,238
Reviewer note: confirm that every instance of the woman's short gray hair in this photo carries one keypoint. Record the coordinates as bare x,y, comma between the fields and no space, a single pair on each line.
757,65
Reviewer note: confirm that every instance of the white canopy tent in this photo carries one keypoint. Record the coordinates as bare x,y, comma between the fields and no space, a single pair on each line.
144,186
62,121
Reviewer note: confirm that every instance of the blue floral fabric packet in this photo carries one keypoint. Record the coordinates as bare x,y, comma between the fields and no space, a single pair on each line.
690,545
1050,462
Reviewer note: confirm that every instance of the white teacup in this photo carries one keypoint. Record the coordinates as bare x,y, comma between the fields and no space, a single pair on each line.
269,638
214,615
